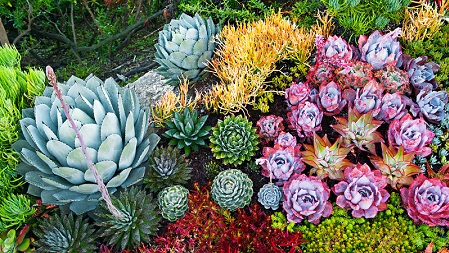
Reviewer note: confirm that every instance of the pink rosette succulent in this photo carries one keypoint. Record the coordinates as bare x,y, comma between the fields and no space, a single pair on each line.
269,127
281,162
306,198
430,104
362,191
335,50
379,49
392,107
297,93
412,134
329,99
305,118
368,99
285,140
427,201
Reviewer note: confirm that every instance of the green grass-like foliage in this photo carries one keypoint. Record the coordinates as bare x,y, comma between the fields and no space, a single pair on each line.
390,231
140,219
359,17
187,130
65,234
234,140
15,211
166,167
17,91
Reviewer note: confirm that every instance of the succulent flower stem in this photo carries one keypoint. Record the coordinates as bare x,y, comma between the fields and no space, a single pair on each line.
104,191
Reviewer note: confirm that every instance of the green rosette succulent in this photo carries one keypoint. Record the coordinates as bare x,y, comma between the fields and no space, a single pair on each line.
184,47
65,234
173,202
114,128
187,130
139,220
166,167
232,189
234,140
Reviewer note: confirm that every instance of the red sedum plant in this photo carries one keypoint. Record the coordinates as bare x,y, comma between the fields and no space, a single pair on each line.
208,228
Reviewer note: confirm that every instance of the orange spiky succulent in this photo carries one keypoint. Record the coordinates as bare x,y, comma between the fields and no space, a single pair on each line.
326,159
396,166
359,130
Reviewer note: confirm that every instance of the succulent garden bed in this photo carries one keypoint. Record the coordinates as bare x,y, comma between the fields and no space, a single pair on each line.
278,138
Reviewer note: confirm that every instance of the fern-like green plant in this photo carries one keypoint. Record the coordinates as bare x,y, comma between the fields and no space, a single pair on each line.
15,210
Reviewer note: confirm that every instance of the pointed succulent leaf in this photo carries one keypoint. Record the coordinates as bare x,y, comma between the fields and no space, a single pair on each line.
69,196
118,180
135,176
110,149
67,134
35,178
56,181
85,188
128,154
129,128
110,126
76,158
72,175
105,169
80,207
59,150
33,159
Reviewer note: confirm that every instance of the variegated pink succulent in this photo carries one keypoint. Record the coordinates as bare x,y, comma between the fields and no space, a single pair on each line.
326,159
393,79
359,130
280,162
305,118
396,166
329,99
427,201
356,75
362,191
297,93
393,106
269,127
306,198
368,99
412,134
379,49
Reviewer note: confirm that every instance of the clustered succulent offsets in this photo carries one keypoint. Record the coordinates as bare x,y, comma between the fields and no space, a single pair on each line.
376,85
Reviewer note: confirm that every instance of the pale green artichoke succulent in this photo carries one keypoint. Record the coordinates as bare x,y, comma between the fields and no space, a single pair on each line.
184,47
232,189
114,129
173,202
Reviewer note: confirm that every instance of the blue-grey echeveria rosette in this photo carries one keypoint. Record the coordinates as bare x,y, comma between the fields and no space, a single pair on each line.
306,198
378,49
270,196
422,73
430,104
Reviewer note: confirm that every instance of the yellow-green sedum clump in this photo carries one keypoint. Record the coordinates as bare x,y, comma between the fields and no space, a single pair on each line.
390,231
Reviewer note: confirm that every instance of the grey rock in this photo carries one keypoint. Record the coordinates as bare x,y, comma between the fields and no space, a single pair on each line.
149,88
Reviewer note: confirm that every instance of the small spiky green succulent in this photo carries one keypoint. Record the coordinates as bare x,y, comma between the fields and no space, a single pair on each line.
65,234
184,47
232,189
396,166
187,130
359,130
139,219
173,202
326,159
234,140
114,128
166,166
15,209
